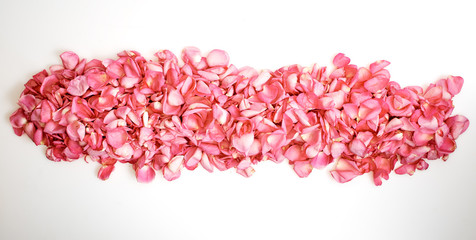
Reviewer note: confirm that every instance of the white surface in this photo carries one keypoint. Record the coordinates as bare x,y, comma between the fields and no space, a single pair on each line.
40,199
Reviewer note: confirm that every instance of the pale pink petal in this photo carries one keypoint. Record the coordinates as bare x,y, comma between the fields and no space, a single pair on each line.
262,78
340,60
78,86
218,58
116,137
294,153
376,84
243,143
458,125
175,98
205,162
321,160
345,171
302,168
357,147
454,84
169,175
125,151
70,59
192,158
220,114
369,109
176,163
203,88
378,65
145,174
337,148
325,103
351,110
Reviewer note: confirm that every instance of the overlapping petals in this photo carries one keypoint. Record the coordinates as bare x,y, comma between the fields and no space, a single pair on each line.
162,116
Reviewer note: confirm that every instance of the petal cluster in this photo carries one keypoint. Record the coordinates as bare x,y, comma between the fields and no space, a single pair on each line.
166,115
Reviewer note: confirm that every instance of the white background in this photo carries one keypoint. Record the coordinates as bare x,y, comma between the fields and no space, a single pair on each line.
425,41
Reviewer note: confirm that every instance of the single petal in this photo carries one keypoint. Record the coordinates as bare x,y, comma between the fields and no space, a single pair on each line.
337,148
457,124
145,174
70,60
116,137
378,65
294,153
340,60
218,58
345,171
27,102
302,168
176,163
369,109
175,98
320,160
105,171
243,143
454,84
78,86
376,84
357,147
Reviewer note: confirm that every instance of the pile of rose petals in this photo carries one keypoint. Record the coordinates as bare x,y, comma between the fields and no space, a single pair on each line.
164,116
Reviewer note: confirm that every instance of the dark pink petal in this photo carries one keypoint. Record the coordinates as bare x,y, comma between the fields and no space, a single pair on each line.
27,102
18,119
105,171
81,108
302,168
70,60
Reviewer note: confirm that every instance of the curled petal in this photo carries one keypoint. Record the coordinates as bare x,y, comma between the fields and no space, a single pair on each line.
458,125
27,102
105,171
